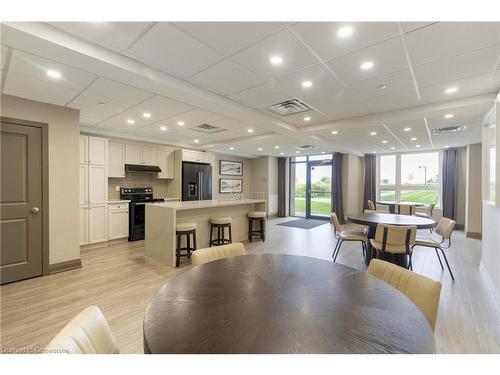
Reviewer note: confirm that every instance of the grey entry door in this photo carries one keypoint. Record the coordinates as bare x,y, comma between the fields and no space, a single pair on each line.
21,202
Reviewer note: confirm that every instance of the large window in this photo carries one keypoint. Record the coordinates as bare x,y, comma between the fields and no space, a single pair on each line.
409,177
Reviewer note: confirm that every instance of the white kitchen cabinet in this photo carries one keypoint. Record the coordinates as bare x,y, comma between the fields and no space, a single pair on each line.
84,225
98,225
133,154
166,164
93,189
197,156
116,160
117,220
149,155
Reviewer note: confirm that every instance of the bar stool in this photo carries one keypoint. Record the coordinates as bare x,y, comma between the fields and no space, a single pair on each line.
184,229
261,217
220,223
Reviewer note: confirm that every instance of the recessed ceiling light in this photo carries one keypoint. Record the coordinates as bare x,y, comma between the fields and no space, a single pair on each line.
196,141
344,32
307,118
367,65
276,60
384,142
297,152
417,146
307,84
322,152
374,152
276,147
163,128
130,121
373,133
446,146
250,130
381,87
393,148
231,148
407,129
335,132
451,90
449,115
146,115
54,74
260,149
413,139
282,153
180,123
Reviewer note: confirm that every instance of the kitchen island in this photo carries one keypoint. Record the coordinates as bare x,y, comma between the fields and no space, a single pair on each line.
162,218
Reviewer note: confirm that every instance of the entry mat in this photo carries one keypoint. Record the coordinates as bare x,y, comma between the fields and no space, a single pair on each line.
304,223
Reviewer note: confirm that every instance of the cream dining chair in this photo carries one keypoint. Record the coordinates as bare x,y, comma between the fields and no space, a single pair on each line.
346,235
210,254
394,239
421,290
404,209
86,333
439,240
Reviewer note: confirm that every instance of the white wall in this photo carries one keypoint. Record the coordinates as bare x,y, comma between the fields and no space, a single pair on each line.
473,208
64,133
265,180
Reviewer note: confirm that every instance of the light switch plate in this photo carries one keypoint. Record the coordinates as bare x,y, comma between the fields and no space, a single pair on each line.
117,188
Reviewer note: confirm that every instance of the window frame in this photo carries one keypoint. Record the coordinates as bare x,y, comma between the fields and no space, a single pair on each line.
398,187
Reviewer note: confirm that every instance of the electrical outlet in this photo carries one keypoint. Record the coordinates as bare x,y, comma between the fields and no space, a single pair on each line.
117,188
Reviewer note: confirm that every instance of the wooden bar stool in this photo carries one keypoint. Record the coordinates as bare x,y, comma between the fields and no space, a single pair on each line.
184,229
261,217
220,223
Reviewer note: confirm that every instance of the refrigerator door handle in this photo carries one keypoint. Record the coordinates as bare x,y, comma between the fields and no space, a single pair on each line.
201,185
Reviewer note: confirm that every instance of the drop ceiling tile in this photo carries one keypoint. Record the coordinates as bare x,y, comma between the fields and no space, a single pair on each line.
231,124
165,105
241,34
411,26
153,131
298,119
388,57
3,57
462,66
200,116
322,80
34,67
262,96
173,51
445,39
41,91
403,99
226,77
94,109
335,105
116,91
295,56
119,122
117,36
322,36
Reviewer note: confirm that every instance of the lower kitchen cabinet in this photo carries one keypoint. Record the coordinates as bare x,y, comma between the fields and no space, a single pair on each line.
117,220
98,228
84,225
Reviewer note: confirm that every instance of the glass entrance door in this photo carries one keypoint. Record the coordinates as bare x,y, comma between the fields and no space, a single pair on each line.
318,190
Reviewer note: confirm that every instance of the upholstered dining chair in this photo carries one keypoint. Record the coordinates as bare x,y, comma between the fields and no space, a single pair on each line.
210,254
428,211
439,240
371,205
404,209
346,235
86,333
394,239
421,290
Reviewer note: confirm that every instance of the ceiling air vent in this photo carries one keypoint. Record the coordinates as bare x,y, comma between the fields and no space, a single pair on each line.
305,147
208,129
289,107
448,129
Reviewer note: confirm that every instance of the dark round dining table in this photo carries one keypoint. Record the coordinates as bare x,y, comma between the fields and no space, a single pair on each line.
392,204
371,220
269,303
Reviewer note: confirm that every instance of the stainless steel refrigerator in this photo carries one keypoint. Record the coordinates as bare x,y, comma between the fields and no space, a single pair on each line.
196,181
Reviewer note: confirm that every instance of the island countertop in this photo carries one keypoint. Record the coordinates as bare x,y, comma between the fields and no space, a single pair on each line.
212,203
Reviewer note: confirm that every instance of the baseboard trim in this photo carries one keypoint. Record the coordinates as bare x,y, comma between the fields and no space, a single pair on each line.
65,266
459,226
475,235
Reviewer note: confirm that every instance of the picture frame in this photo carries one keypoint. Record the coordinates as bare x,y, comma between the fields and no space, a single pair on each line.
230,185
230,168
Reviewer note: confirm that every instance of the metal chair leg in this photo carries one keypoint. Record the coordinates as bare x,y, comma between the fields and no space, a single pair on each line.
447,264
338,250
410,264
335,248
437,253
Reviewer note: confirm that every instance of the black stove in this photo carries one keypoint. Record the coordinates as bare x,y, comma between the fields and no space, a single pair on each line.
137,209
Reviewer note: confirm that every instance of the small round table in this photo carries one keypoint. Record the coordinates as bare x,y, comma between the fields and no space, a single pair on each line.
392,204
269,303
371,220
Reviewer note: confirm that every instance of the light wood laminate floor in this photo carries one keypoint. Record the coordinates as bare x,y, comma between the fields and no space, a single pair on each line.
120,280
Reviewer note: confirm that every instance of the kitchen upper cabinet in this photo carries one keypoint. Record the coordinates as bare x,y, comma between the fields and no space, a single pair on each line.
116,160
141,154
166,164
84,149
197,156
98,151
98,223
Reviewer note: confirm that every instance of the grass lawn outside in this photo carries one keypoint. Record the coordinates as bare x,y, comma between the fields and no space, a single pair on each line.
319,206
417,196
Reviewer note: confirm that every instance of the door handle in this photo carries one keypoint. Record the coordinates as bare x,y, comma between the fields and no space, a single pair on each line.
35,211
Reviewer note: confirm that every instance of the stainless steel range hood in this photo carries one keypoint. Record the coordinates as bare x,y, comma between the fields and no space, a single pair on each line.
140,168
